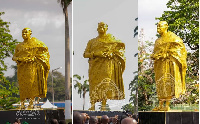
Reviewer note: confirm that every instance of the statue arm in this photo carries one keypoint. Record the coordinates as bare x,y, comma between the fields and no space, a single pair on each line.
19,59
119,55
87,53
92,54
43,57
15,57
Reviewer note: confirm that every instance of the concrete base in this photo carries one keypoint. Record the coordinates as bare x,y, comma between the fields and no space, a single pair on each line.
31,116
100,113
168,117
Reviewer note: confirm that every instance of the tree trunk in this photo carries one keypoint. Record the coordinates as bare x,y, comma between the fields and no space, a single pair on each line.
84,92
136,101
67,58
67,69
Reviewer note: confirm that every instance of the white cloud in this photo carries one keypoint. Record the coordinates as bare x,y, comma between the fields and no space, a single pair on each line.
147,12
59,21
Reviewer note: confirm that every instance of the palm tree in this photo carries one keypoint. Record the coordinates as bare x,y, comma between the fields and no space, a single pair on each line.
82,88
136,28
64,4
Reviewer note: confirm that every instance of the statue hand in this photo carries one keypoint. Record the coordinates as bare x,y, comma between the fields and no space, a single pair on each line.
26,59
110,55
99,54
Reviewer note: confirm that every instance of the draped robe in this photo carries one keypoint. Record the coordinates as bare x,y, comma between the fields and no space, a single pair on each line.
32,76
105,74
170,67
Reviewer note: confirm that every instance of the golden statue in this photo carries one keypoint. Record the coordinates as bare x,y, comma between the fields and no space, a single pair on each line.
106,65
32,58
169,66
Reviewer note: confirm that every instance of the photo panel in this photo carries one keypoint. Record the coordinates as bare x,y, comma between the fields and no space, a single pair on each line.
46,20
121,18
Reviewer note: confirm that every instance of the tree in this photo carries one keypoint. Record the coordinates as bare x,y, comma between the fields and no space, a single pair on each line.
143,83
128,108
133,86
7,43
8,92
83,88
14,77
64,4
136,29
58,86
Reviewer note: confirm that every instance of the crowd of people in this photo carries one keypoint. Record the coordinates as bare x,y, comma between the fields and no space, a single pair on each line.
83,118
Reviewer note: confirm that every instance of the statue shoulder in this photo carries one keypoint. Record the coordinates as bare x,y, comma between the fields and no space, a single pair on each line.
92,40
18,46
158,41
38,42
113,38
175,37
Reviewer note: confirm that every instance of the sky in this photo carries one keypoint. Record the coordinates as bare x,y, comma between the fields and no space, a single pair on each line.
148,10
120,16
46,20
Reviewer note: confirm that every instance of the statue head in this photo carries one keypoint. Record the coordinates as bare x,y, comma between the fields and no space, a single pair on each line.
102,28
26,33
162,27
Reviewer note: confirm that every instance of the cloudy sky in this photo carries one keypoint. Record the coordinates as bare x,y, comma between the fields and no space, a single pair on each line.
120,16
46,20
148,10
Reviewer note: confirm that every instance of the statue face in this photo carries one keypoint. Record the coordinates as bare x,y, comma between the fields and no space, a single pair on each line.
26,34
102,28
161,27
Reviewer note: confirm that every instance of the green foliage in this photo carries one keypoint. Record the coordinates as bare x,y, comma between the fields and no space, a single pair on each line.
107,108
133,87
58,86
83,88
128,108
183,20
14,77
8,91
146,82
7,43
9,94
64,4
136,29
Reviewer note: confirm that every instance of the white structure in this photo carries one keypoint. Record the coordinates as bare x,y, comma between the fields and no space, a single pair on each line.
48,105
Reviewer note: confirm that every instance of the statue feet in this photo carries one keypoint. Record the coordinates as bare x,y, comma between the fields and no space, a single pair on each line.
22,107
103,108
159,108
30,107
167,108
92,108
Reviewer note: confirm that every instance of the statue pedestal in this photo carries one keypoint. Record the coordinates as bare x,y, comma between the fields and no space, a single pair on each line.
32,116
100,113
171,117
